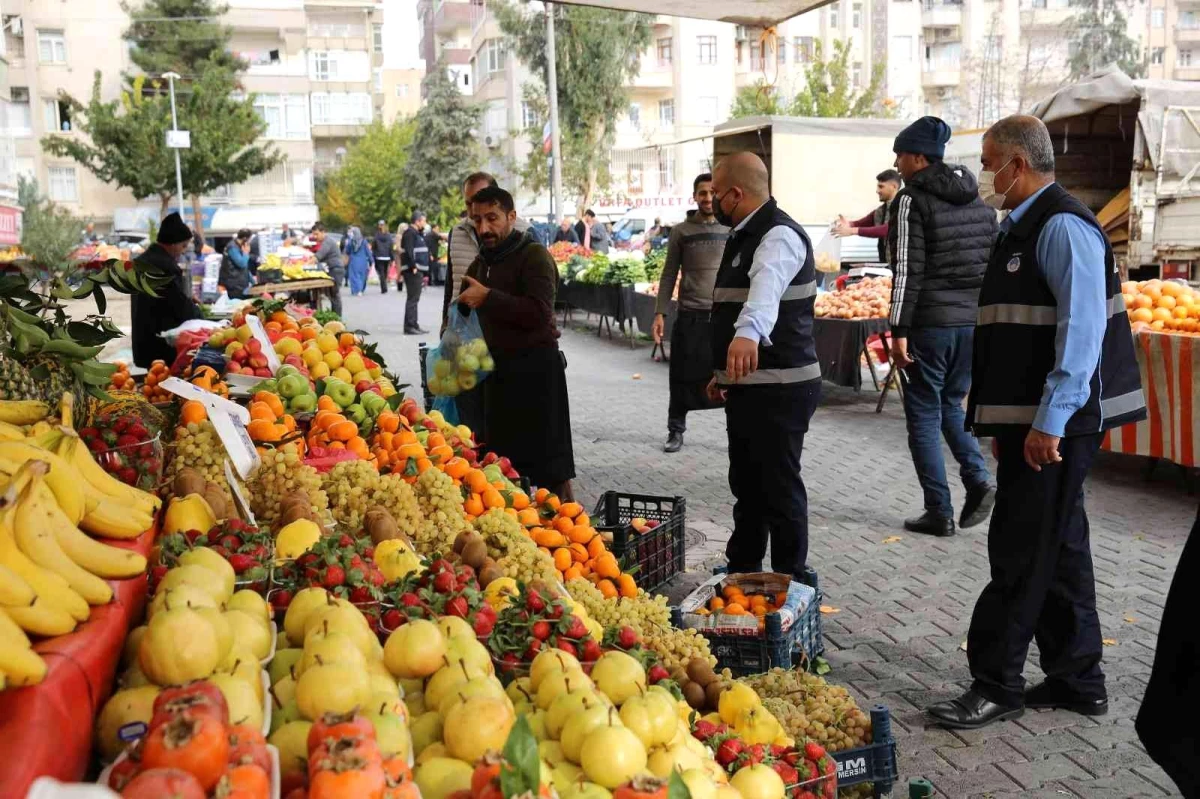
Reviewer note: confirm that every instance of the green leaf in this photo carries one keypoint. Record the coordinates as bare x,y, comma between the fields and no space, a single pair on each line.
676,787
90,335
522,769
98,296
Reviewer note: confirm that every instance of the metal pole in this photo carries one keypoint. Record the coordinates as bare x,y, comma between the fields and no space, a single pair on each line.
171,77
556,188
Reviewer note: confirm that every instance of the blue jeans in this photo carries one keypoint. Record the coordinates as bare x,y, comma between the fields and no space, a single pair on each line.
933,403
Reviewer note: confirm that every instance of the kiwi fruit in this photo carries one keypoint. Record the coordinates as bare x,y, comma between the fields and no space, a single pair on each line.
460,541
712,694
699,671
489,574
214,495
474,553
294,513
188,481
380,525
695,695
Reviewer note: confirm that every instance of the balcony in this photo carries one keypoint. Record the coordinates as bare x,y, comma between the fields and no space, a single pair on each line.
1187,34
449,16
941,14
339,131
655,77
1046,18
1186,73
942,35
457,55
939,76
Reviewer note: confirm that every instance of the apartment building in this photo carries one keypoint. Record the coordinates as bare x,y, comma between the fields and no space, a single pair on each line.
315,69
401,93
10,211
447,28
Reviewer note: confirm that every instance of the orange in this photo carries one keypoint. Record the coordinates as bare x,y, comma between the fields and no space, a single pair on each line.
526,516
473,505
477,481
608,589
570,509
781,598
1143,301
343,430
492,499
563,559
1180,312
434,440
716,603
457,468
552,502
273,327
347,340
1141,314
411,451
1166,301
308,333
192,411
627,586
735,609
540,495
1161,315
730,589
280,317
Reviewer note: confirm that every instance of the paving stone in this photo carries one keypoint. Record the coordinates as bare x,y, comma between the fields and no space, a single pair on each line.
981,782
1126,785
1038,746
1035,772
1110,761
969,758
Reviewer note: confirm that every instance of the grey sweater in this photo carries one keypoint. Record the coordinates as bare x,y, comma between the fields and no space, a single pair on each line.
695,249
328,255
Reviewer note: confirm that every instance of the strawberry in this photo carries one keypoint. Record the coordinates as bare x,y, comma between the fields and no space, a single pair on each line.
575,628
281,599
532,650
657,674
627,638
345,541
410,600
814,751
729,751
444,582
555,610
334,576
778,752
127,475
126,440
591,650
360,594
97,445
483,625
510,660
540,630
756,753
827,766
441,565
565,645
704,730
392,619
534,601
242,563
786,772
458,606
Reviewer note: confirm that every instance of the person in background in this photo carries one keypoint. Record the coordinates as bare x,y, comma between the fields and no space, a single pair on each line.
173,304
256,253
694,252
235,265
511,283
875,224
655,230
414,263
329,258
286,237
765,364
89,235
940,239
433,241
1053,369
383,245
592,233
583,225
358,261
565,232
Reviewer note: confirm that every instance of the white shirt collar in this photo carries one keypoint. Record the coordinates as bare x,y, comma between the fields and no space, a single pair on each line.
749,216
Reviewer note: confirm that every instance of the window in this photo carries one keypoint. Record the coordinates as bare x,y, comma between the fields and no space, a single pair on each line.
856,16
493,55
52,47
781,46
20,120
1156,55
377,74
664,52
856,74
901,52
802,49
56,116
1157,17
666,169
286,115
756,57
708,49
377,37
402,90
635,115
324,65
341,108
529,117
706,110
64,188
1185,58
1188,20
666,113
833,15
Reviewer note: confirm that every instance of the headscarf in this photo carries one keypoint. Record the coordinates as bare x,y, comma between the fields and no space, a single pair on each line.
356,239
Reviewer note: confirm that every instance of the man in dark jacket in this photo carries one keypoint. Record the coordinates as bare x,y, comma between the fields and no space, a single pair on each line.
329,258
235,265
414,263
174,304
433,241
565,232
384,242
940,239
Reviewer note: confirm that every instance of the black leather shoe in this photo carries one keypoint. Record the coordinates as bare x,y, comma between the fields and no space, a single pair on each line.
971,711
929,523
977,507
674,442
417,331
1055,695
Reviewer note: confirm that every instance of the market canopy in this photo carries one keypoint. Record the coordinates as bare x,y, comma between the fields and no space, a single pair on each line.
755,13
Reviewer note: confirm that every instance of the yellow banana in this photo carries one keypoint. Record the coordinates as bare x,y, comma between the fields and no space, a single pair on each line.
111,520
75,452
13,589
23,411
102,560
10,432
21,665
42,619
11,632
68,487
32,529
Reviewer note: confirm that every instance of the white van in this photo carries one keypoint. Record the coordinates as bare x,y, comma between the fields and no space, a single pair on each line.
629,232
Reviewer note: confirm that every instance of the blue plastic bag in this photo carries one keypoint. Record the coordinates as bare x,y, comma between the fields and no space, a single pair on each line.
459,363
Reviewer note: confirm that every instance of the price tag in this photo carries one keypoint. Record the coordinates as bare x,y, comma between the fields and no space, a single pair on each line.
236,441
259,332
211,401
239,500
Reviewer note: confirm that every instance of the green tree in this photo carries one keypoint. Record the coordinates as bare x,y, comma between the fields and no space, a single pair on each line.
334,208
757,100
443,149
598,52
49,232
829,91
178,36
1100,37
367,177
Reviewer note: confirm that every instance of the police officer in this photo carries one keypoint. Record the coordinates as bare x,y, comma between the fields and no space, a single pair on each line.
414,265
1053,368
765,365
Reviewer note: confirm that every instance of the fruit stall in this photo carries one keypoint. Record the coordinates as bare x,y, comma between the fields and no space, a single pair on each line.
852,324
1165,319
280,577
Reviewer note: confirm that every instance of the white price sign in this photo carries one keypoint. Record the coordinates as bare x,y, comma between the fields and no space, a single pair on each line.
179,139
239,500
211,401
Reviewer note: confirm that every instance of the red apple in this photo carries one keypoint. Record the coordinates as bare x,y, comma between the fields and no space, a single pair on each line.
362,385
273,336
232,368
262,371
430,425
254,346
651,524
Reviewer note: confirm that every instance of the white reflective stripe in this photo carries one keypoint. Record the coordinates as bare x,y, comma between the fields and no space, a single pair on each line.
1005,414
1014,314
1116,304
796,374
901,277
800,292
1119,406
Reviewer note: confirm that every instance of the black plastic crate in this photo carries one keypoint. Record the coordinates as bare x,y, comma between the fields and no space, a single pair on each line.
658,554
422,354
875,762
774,647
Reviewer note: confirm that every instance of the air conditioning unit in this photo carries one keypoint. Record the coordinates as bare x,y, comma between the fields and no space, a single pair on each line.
739,33
491,141
16,26
944,93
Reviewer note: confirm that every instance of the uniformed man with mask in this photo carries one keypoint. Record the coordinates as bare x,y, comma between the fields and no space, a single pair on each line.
1053,368
765,364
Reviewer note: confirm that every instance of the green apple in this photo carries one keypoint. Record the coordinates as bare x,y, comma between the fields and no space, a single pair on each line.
467,381
304,403
285,370
340,392
356,413
293,384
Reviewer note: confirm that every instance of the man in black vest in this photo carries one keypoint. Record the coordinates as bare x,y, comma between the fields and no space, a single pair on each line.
765,365
1053,368
939,239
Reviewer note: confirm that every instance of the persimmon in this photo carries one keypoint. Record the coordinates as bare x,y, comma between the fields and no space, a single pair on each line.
347,340
193,411
244,782
263,430
606,566
411,451
595,547
343,430
563,559
548,538
563,524
424,465
581,535
261,410
520,500
388,421
441,453
583,520
272,400
196,743
473,505
456,467
572,572
528,517
642,787
716,603
435,440
540,495
493,499
579,552
358,445
326,403
570,509
608,589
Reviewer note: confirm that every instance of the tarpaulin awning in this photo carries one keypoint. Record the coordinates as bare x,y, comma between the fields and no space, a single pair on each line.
755,13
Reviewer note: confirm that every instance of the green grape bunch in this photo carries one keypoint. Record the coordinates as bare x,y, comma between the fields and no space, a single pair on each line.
350,486
282,472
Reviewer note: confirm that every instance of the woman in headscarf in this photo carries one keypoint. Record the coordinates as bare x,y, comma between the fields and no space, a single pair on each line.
358,256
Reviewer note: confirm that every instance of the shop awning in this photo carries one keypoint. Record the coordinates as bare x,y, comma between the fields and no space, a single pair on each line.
755,13
223,219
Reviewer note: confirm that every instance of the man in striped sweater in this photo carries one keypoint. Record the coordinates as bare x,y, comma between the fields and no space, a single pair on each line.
940,237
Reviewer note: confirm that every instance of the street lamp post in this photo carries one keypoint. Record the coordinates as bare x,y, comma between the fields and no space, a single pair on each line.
556,188
171,78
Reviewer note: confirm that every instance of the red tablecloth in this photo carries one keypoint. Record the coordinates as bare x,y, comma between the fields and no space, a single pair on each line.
48,727
1169,365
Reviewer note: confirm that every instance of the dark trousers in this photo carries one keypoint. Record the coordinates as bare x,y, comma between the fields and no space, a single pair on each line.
938,381
471,411
1042,587
685,397
766,427
338,275
382,267
412,286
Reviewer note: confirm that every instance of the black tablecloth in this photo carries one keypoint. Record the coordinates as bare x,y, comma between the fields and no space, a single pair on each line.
643,312
839,343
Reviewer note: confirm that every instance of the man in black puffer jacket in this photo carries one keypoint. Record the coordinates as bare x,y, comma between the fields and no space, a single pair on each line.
939,238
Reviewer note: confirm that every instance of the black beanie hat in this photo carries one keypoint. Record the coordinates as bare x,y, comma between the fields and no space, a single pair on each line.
173,230
927,136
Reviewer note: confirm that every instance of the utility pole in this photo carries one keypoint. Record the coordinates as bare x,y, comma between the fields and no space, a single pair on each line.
556,188
171,78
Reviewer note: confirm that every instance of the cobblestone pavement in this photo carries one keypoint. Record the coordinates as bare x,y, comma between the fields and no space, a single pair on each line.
903,607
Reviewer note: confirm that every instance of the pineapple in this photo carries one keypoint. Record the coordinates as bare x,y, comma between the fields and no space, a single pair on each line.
16,383
55,378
